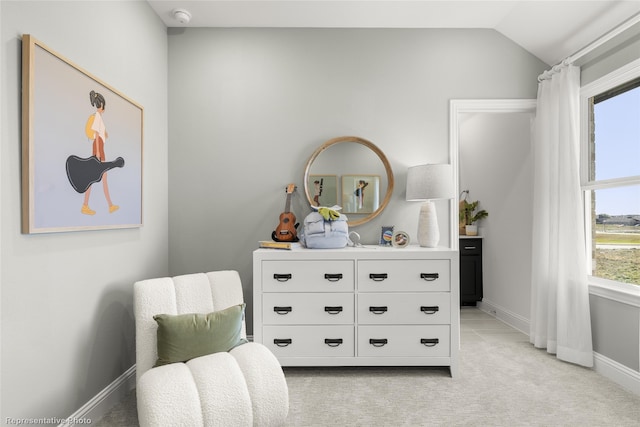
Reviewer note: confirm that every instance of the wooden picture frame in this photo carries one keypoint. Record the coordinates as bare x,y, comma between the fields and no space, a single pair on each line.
71,156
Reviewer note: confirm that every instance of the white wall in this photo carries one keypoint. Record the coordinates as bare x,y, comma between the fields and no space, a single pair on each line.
249,106
67,321
496,166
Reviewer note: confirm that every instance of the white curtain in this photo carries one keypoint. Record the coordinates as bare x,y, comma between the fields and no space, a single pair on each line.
560,319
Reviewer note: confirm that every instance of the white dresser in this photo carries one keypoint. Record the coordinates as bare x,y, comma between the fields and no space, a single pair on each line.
368,306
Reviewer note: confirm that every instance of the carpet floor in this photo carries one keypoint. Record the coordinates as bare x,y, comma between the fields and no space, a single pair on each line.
503,381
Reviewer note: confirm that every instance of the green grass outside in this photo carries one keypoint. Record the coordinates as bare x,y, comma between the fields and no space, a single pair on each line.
622,265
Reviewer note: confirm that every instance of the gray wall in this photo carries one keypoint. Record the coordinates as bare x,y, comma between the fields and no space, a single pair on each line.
67,321
496,166
249,106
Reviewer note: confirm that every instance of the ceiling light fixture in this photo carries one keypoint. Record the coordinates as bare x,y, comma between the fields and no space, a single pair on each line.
182,16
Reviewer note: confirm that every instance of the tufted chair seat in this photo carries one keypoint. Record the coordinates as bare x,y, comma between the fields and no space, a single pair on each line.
242,387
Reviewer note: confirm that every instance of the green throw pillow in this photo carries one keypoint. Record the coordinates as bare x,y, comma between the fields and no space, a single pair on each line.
183,337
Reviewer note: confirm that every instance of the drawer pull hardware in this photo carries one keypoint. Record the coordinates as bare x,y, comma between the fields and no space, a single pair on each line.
282,310
282,277
429,342
333,342
378,310
429,310
429,277
378,342
282,342
469,248
333,277
333,310
378,277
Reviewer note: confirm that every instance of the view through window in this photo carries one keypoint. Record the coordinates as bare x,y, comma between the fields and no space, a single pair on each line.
613,190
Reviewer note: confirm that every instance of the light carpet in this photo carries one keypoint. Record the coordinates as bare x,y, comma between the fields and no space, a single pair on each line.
504,381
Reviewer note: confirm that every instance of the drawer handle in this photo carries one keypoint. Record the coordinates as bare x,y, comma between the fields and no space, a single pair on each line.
333,277
282,310
282,277
333,342
469,247
282,342
429,310
429,342
429,277
378,310
378,342
378,277
333,310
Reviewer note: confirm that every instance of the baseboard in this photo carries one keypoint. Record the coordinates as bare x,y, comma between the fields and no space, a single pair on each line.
510,318
623,376
100,404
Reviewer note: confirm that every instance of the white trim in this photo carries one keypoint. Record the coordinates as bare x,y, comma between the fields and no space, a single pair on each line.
512,319
102,402
620,374
616,291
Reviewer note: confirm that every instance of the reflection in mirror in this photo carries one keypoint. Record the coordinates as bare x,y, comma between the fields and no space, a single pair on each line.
325,189
333,174
360,193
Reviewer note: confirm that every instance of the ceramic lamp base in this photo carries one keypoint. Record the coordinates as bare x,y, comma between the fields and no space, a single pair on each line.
428,230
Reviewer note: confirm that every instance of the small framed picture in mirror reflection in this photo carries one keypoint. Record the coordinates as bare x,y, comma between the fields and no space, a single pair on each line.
360,193
324,190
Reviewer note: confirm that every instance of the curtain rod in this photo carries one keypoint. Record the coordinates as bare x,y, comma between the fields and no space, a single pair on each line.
591,46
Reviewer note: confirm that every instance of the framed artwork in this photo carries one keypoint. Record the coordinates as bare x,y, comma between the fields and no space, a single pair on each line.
360,193
400,239
324,190
81,148
386,235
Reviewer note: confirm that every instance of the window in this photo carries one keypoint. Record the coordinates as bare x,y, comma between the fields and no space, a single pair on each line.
611,176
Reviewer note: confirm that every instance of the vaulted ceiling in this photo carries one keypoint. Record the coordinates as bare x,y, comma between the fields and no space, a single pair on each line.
549,29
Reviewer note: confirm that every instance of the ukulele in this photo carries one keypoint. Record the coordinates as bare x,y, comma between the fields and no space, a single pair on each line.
286,229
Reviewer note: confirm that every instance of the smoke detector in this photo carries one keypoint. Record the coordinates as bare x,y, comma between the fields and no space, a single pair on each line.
182,16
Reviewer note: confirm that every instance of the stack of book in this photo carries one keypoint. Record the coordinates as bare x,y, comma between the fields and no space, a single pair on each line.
270,244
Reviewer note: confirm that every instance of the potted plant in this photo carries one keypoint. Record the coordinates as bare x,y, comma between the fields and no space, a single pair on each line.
469,215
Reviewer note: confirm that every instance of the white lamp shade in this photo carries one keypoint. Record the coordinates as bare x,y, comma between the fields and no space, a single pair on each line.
428,182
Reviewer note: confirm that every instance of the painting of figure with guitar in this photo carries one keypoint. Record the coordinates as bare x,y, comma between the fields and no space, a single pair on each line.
287,229
74,174
83,172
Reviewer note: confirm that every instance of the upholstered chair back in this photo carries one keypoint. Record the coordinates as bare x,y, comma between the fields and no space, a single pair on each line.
190,293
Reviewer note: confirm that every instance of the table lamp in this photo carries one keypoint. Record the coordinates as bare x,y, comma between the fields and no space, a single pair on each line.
427,183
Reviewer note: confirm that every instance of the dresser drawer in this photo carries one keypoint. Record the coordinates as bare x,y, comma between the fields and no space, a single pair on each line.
470,246
307,308
411,341
404,275
310,341
308,276
404,308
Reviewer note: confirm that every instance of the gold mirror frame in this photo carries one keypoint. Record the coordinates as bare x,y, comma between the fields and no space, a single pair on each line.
372,147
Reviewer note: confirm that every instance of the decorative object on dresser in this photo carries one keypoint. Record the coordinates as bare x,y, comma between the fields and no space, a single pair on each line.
470,270
364,306
286,231
386,235
400,239
363,196
427,183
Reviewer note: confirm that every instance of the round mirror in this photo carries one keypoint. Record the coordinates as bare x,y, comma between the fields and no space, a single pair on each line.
350,172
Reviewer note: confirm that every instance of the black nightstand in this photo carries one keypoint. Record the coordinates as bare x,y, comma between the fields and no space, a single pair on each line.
470,270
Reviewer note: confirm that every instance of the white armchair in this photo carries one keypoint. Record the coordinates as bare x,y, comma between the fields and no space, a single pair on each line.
242,387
